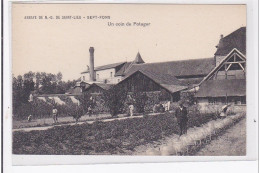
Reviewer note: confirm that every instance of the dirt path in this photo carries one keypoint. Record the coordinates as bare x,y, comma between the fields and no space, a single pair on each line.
231,143
49,121
90,121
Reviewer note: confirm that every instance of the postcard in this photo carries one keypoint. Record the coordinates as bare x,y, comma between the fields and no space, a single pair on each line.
101,83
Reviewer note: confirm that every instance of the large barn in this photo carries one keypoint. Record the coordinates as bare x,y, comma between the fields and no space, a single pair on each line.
226,83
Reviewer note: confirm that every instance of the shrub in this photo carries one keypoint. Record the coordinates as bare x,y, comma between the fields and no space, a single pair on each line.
139,102
86,101
114,99
152,99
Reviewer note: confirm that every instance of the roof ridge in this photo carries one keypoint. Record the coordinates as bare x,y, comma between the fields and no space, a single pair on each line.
174,61
234,32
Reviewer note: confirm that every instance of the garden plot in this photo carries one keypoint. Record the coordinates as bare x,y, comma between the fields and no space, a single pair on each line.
112,137
195,138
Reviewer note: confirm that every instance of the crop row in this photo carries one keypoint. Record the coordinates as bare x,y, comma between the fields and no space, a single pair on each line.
114,137
195,137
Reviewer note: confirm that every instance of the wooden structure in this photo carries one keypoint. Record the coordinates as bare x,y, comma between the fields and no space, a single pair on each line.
146,81
226,83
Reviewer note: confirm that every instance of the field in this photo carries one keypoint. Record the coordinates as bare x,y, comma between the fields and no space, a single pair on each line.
114,137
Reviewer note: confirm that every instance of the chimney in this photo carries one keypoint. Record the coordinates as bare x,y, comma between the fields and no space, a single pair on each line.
91,64
220,43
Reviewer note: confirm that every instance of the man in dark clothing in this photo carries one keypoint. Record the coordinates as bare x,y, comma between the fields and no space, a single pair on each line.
182,118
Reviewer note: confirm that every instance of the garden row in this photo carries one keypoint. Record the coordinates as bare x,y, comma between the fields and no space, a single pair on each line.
114,137
196,137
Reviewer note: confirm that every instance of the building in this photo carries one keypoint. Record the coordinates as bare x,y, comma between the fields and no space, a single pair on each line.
98,88
236,39
220,79
189,72
226,83
110,73
147,81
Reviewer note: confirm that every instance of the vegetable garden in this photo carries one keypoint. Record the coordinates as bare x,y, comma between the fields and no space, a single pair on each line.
114,137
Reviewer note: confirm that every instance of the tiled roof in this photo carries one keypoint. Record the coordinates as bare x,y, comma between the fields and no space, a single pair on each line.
101,85
108,66
166,81
191,67
236,39
104,85
122,70
222,88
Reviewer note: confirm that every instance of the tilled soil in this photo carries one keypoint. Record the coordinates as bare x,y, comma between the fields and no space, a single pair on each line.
231,143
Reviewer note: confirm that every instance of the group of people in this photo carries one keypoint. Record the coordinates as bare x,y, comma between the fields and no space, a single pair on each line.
181,114
162,107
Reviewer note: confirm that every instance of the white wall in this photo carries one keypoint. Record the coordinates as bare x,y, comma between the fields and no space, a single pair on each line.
103,75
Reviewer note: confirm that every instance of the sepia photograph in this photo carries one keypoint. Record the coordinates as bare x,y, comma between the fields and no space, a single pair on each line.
129,79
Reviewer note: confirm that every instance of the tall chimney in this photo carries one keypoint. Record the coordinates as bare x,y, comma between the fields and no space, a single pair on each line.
91,64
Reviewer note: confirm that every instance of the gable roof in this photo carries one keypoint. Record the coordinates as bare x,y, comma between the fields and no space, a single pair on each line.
170,83
234,51
236,39
101,85
104,85
176,68
108,66
222,88
122,70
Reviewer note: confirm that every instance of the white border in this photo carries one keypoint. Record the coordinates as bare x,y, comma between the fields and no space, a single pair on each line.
252,93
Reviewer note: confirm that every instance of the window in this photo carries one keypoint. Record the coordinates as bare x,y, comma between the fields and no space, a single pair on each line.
118,80
97,76
111,74
212,101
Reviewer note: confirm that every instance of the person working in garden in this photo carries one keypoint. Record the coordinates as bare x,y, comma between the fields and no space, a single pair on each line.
224,109
182,118
29,118
55,115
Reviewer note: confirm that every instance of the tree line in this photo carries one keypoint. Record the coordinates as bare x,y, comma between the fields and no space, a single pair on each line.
38,83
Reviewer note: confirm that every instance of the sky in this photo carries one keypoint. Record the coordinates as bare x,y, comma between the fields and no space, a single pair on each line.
173,32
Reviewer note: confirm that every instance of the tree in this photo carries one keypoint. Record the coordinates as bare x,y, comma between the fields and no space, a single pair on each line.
86,101
114,99
139,101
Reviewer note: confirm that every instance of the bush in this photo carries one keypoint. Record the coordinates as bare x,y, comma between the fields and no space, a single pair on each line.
139,101
152,99
86,101
114,99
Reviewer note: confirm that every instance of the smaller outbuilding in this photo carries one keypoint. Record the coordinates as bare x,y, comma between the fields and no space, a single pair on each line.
98,88
147,81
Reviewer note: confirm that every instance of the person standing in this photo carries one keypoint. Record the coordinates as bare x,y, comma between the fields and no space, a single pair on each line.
182,118
55,115
131,110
